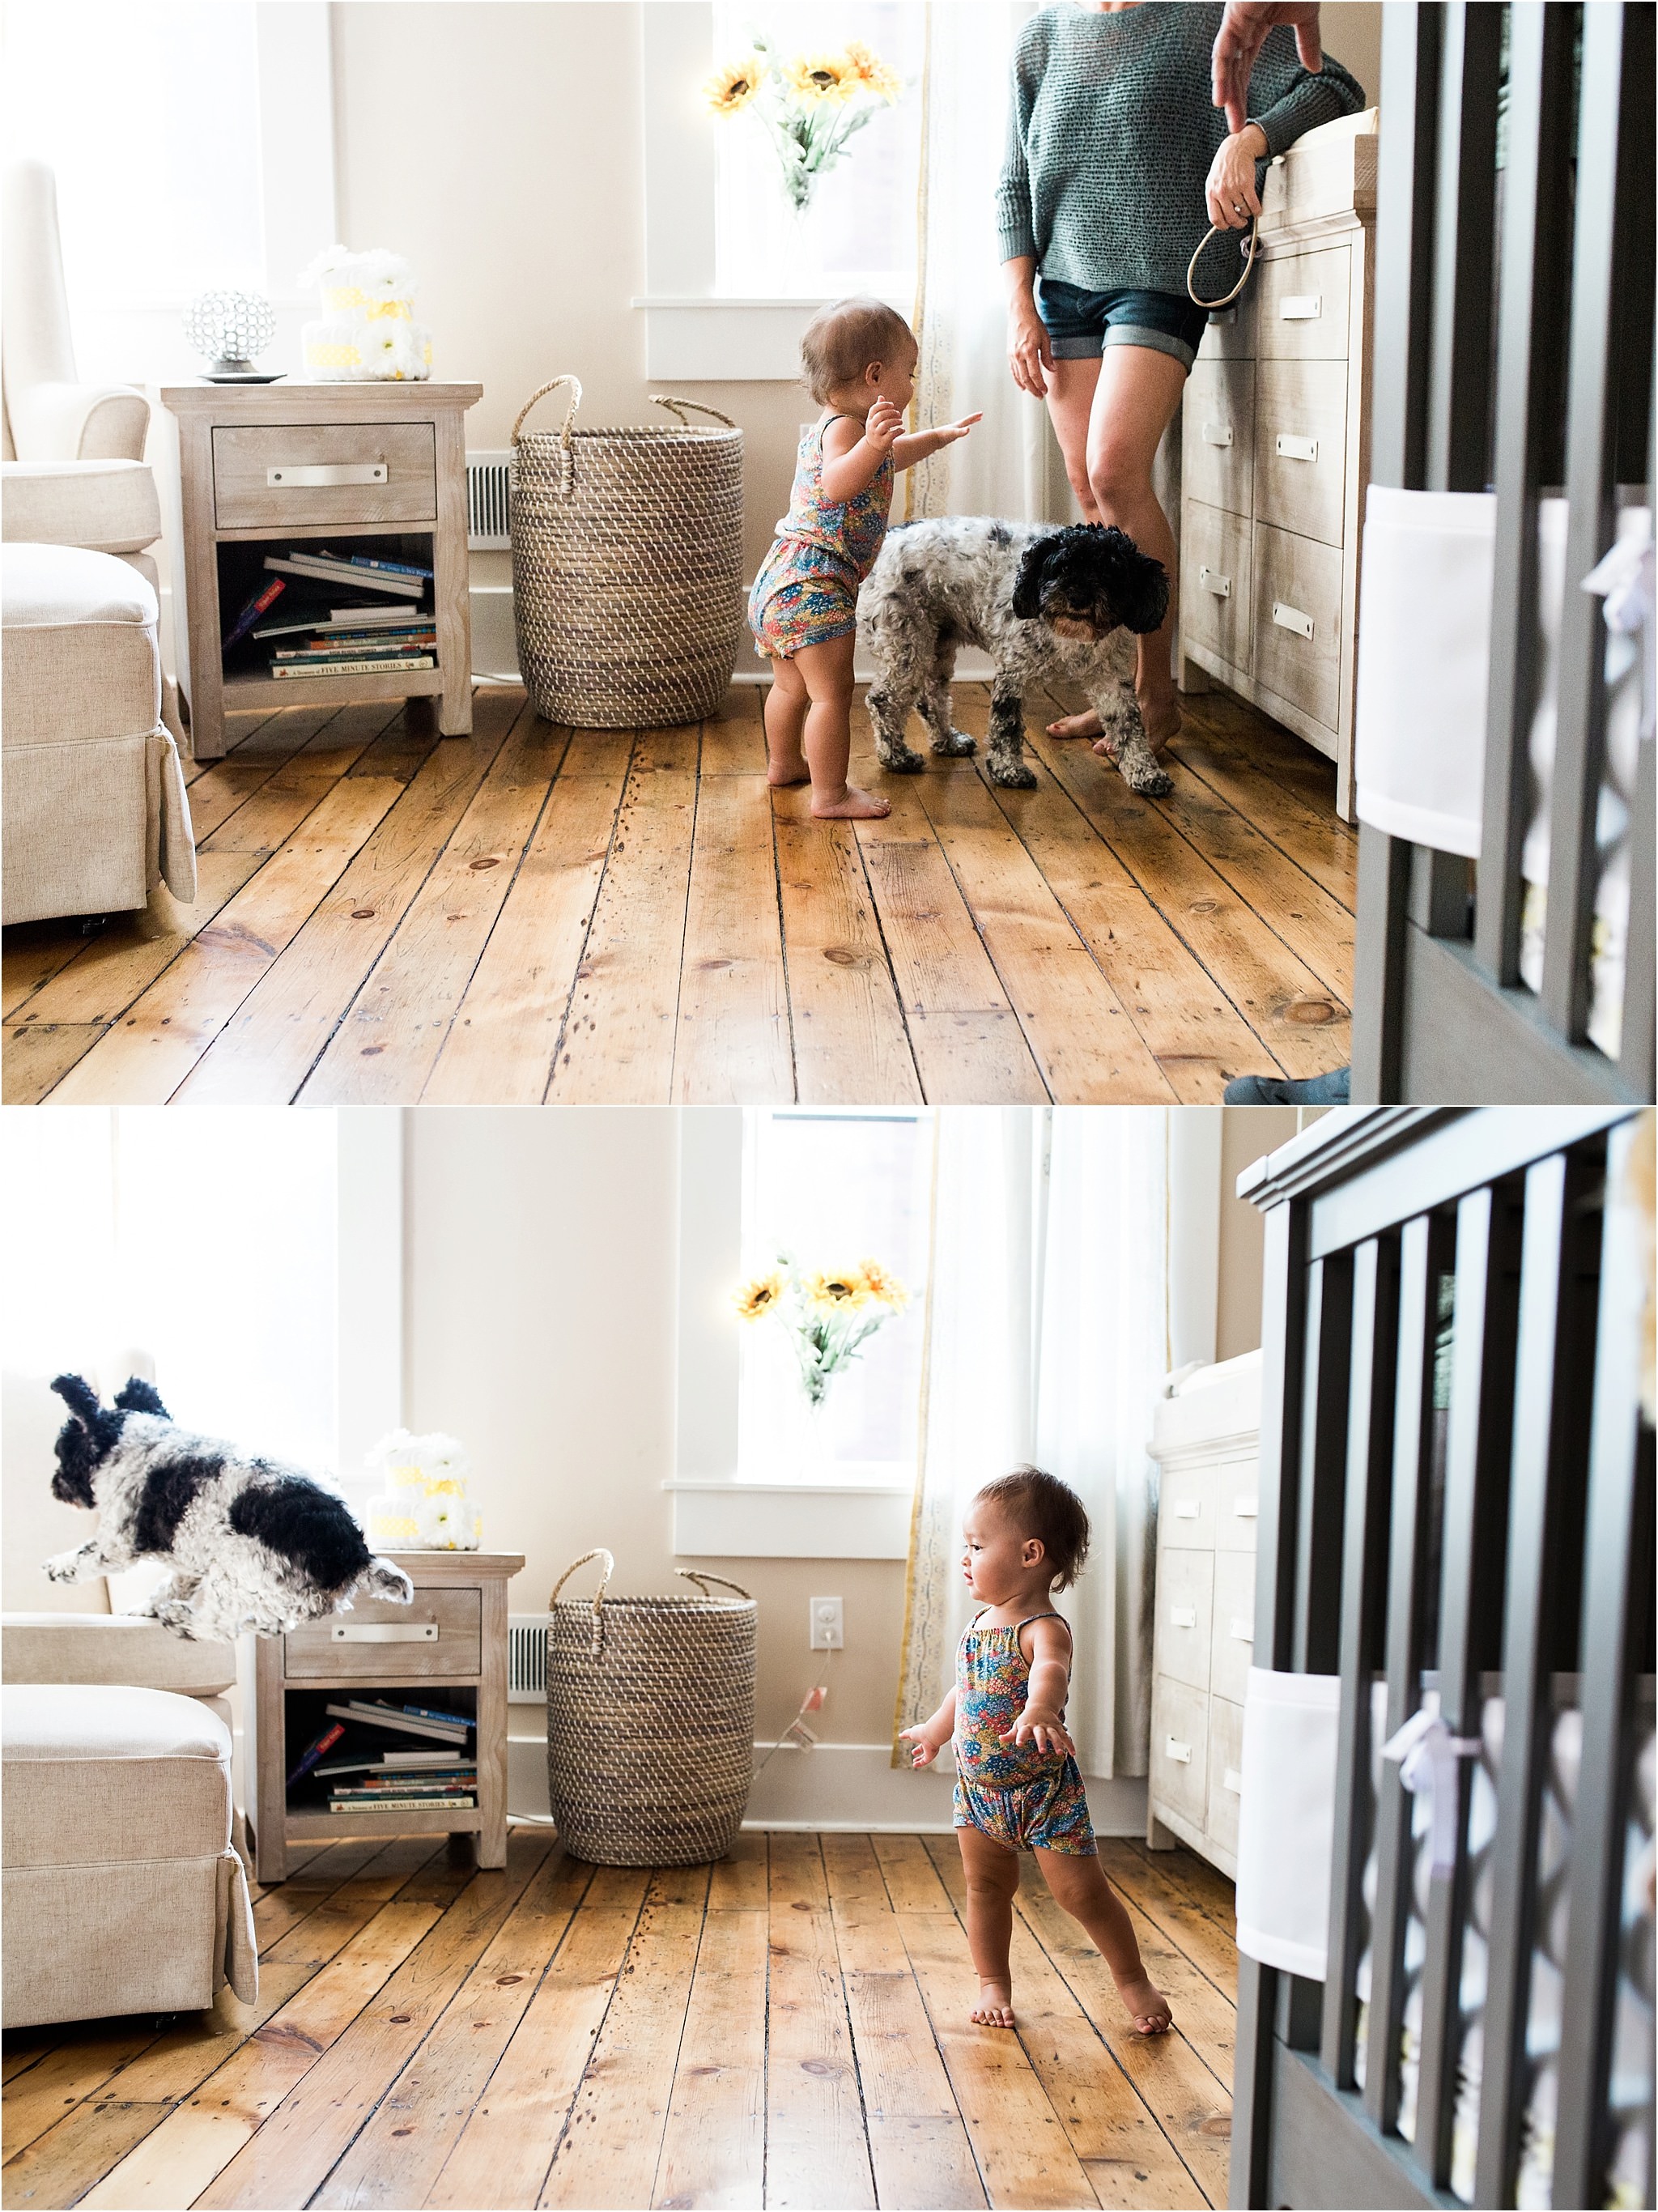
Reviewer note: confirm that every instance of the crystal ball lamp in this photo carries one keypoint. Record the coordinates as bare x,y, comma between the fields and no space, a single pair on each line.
231,329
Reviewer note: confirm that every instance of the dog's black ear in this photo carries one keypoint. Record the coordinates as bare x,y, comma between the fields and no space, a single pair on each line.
1137,584
78,1395
1028,584
138,1396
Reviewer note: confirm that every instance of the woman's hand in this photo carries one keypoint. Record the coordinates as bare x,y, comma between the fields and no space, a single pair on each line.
1039,1725
1231,189
923,1746
1029,350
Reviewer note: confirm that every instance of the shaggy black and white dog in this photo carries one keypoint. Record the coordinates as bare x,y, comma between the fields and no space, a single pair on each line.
1047,604
251,1544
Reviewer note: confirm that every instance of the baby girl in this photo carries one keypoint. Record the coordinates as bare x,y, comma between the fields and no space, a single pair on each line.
859,359
1018,1787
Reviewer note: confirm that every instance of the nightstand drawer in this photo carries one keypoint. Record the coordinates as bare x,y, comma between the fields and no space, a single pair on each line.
1298,621
441,1634
1186,1584
1218,436
1303,303
1180,1747
1301,447
1217,602
267,477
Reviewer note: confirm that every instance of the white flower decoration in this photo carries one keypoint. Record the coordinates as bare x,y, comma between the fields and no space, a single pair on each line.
448,1524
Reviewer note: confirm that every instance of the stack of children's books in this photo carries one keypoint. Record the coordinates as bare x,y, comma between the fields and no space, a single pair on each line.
326,614
365,1761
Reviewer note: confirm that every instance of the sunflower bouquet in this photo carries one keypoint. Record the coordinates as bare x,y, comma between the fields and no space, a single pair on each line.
827,1317
813,105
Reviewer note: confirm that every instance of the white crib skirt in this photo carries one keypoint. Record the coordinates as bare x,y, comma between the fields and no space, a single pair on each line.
1286,1819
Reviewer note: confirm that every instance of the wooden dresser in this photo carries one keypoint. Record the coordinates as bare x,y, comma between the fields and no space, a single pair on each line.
1206,1439
1275,452
448,1648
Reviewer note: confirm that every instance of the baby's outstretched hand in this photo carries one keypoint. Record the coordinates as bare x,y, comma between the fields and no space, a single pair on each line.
885,425
1043,1730
947,433
921,1751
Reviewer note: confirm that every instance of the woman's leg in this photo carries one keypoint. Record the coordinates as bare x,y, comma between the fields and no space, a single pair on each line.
785,716
1069,406
1134,401
1080,1885
993,1879
826,740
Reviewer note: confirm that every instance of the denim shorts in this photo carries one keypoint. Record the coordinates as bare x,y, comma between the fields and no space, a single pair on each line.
1081,325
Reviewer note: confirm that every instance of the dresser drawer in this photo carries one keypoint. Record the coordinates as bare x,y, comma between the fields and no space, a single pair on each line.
1225,1775
440,1634
1237,1504
1297,585
1302,308
1180,1737
269,476
1218,434
1186,1584
1186,1510
1301,447
1216,605
1232,1641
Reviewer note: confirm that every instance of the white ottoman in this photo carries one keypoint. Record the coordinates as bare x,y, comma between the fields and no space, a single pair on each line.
121,1890
94,806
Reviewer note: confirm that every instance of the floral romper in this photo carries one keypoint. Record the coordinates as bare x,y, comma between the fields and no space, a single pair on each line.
806,591
1032,1800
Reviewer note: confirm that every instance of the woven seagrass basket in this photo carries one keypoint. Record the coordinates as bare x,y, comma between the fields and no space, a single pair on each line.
650,1722
627,567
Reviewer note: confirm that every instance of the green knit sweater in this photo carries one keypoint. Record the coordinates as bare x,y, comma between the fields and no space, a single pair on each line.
1111,133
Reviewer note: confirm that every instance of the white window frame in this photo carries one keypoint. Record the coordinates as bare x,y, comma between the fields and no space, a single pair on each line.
715,1515
693,333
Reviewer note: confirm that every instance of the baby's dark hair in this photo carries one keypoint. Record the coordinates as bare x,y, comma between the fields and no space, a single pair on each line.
1042,1505
842,339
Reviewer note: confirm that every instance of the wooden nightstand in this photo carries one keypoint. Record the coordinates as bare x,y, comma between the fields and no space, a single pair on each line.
448,1648
255,469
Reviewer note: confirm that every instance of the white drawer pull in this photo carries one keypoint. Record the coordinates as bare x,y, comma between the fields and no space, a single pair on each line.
1243,1629
1246,1508
384,1632
1288,617
1232,1780
1179,1753
293,476
1296,449
1183,1616
1301,307
1212,580
1186,1508
1216,434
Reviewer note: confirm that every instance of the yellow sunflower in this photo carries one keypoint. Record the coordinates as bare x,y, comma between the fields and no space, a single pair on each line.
871,73
836,1294
735,86
886,1290
822,77
757,1298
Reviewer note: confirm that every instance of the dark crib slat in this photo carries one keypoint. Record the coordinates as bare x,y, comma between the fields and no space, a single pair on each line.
1559,1260
1364,1614
1459,397
1616,1645
1470,1610
1319,1496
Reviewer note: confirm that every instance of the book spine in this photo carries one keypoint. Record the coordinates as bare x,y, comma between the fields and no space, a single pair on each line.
397,1805
392,567
250,614
323,1744
443,1719
350,667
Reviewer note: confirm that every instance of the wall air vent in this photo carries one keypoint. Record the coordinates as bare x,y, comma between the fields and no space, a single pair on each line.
489,502
527,1657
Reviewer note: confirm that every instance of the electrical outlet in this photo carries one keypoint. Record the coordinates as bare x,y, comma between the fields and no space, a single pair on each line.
828,1625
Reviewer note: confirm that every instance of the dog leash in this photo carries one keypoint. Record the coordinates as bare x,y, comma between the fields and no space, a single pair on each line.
1245,246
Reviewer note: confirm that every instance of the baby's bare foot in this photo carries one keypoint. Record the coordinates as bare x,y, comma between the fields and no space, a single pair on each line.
995,2005
1146,2003
853,805
785,768
1085,725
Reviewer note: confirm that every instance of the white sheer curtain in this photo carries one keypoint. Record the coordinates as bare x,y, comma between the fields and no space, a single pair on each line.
1048,1338
960,318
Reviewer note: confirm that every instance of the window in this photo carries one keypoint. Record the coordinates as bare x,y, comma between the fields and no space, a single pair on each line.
827,1190
860,233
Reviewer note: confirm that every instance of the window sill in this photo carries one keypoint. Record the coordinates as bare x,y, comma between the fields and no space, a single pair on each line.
718,340
791,1520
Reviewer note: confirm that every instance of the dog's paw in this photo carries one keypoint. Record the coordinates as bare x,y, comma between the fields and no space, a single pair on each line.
1012,775
64,1567
1147,778
177,1617
956,745
900,760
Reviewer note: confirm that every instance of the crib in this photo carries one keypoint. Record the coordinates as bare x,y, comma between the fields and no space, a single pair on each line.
1456,1512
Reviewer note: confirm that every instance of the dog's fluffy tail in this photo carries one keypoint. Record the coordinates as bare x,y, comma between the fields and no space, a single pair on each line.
379,1578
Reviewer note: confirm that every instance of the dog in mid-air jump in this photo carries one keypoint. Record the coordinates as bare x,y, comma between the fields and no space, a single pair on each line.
251,1544
1046,606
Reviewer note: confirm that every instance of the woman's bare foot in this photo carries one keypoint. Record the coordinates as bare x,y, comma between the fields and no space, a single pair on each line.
1161,719
995,2005
1146,2003
1085,725
853,805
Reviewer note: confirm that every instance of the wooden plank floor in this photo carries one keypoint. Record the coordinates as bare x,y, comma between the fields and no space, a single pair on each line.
788,2027
534,913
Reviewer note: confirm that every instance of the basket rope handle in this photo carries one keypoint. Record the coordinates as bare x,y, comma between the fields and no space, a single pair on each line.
599,1595
673,405
702,1580
1247,247
575,383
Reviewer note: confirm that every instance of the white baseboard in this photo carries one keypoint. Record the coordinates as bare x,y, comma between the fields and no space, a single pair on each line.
838,1787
